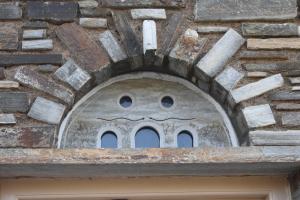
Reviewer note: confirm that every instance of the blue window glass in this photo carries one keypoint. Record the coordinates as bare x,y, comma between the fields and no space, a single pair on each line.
185,140
109,140
147,137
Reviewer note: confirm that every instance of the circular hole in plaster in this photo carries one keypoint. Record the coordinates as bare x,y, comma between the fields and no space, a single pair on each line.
167,102
125,101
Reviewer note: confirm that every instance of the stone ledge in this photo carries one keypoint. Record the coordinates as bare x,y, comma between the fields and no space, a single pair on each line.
130,162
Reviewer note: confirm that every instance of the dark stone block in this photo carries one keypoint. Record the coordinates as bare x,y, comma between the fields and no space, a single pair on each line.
14,102
20,59
2,73
94,12
144,3
9,37
10,11
35,25
53,11
285,96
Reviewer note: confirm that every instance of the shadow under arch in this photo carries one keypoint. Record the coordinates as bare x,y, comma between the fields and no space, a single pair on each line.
83,104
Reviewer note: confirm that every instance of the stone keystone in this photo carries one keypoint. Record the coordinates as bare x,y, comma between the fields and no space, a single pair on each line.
215,60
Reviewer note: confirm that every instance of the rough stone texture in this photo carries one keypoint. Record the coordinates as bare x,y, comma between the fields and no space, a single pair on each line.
149,41
46,111
285,96
212,29
85,51
73,75
144,3
93,22
94,12
7,119
9,36
29,45
255,89
288,106
225,82
257,74
291,119
258,116
232,10
148,14
10,11
88,4
11,102
53,11
294,80
2,73
274,67
36,81
8,84
46,68
270,30
86,163
27,137
295,88
264,55
112,47
35,25
275,138
186,52
129,39
215,60
34,34
273,43
20,59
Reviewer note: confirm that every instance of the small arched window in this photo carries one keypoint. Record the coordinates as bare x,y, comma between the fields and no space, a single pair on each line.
147,137
109,140
185,140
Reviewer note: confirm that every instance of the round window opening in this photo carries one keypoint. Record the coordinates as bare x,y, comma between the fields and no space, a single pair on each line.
125,101
167,102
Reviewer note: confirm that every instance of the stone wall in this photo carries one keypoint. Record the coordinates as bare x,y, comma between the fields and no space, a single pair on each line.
245,54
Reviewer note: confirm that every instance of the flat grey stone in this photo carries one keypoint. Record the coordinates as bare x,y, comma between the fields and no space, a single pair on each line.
34,34
148,14
8,84
11,102
10,11
232,10
88,4
46,111
272,67
273,44
212,29
285,96
94,12
225,82
58,12
7,119
269,30
255,89
186,52
264,55
291,119
34,80
257,74
216,59
28,45
47,68
9,36
93,22
35,25
144,3
275,138
294,80
20,59
112,47
258,116
73,75
288,106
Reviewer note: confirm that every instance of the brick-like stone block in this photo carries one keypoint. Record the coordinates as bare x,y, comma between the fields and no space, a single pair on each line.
46,111
30,45
34,34
11,102
9,36
291,119
264,55
35,25
144,3
22,59
273,43
285,95
7,119
88,4
269,30
10,11
148,14
93,22
275,138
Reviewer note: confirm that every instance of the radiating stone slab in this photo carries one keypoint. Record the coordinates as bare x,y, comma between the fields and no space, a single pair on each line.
84,50
270,30
20,59
8,84
35,25
291,119
144,3
35,34
257,74
148,14
275,138
264,55
232,10
10,11
9,36
258,116
28,137
59,12
149,40
186,52
255,89
215,60
28,45
46,111
212,29
273,43
11,102
112,46
93,22
88,4
36,81
225,82
285,95
73,75
7,119
129,39
288,106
